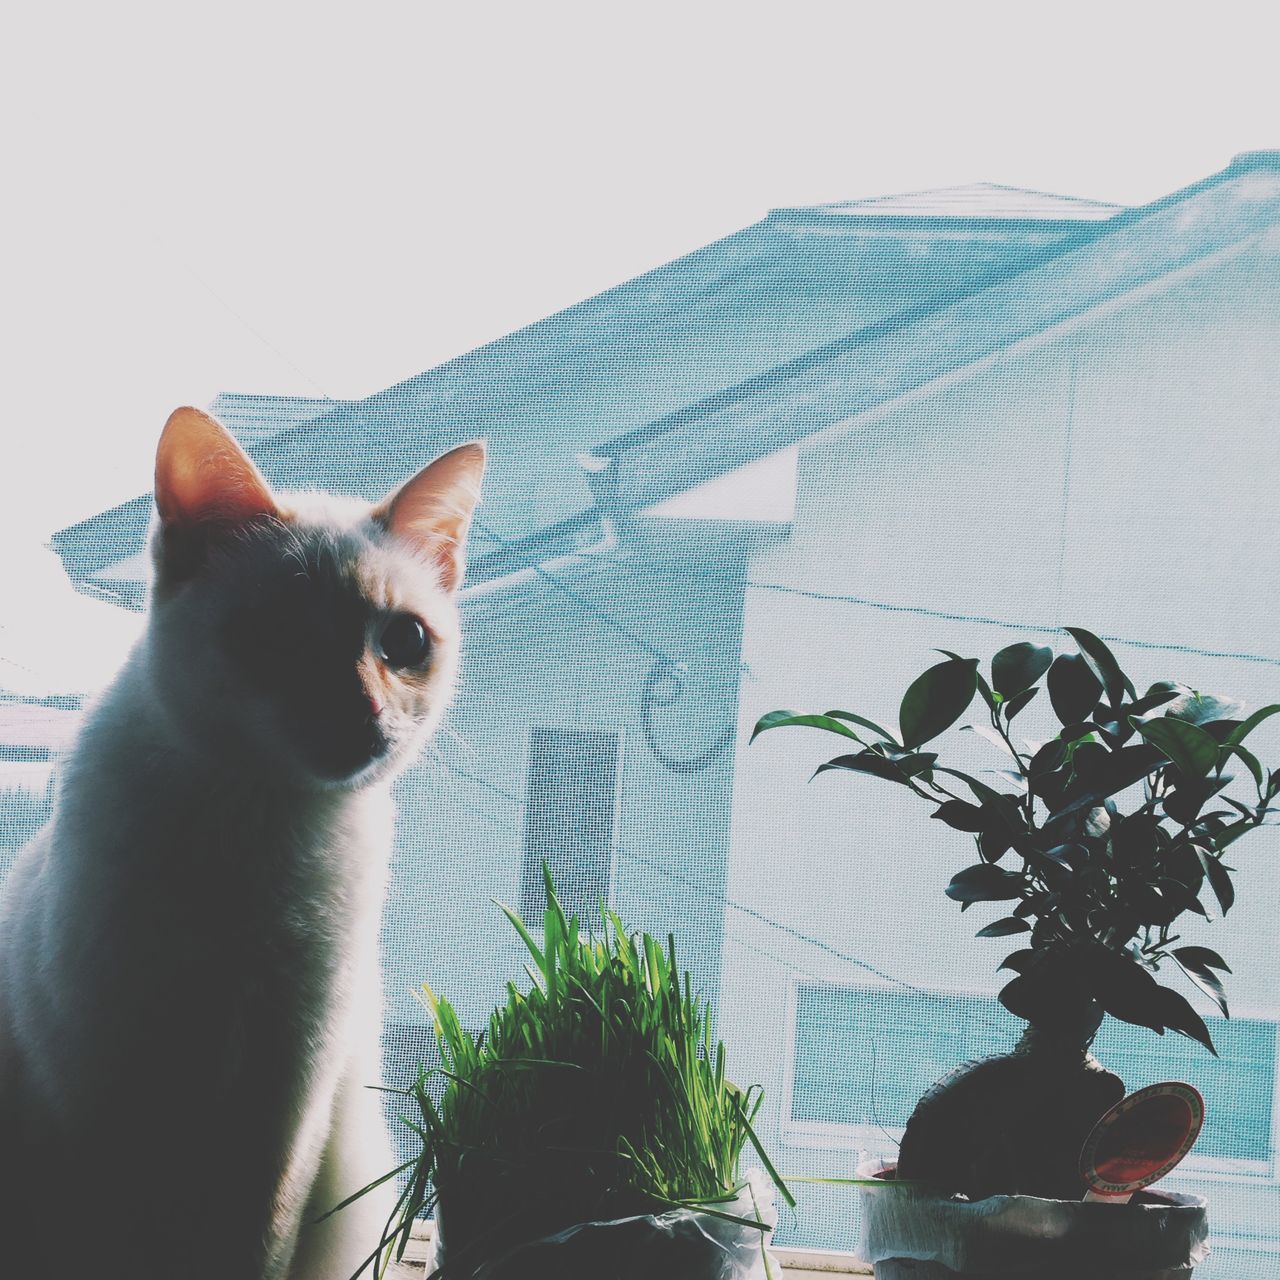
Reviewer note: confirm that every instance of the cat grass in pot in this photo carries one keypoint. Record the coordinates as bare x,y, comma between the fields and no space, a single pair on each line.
1094,842
190,1003
591,1131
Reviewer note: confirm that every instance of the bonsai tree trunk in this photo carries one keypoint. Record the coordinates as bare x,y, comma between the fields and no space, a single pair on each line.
1013,1124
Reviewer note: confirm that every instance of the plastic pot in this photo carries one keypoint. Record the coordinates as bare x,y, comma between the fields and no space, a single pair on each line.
911,1234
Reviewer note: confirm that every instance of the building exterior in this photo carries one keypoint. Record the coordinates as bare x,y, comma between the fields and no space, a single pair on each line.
33,732
779,472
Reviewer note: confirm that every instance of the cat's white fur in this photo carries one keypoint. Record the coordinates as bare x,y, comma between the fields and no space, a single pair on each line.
190,1001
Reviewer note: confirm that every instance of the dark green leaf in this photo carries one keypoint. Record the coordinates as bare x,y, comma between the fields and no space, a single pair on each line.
912,763
1182,862
1003,928
1146,905
1201,958
1017,667
1091,762
1018,961
1133,839
983,688
984,883
1220,730
1203,708
1204,978
961,815
1079,733
1125,989
789,719
865,723
1187,745
1014,705
937,699
1220,882
1102,773
1242,731
1071,854
1051,788
878,766
1114,731
1177,1014
1048,758
994,842
1179,895
1104,664
1251,762
1074,690
1184,803
988,795
1229,835
1161,692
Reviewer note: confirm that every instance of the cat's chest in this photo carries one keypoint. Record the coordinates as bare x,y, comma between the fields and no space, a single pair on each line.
245,931
278,908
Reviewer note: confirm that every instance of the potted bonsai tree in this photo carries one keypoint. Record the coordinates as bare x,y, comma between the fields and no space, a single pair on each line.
1092,844
591,1130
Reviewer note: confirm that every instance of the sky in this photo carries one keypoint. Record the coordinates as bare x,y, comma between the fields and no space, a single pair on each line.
323,199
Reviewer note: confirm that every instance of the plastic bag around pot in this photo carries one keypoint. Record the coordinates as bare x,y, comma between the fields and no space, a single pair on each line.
682,1244
907,1232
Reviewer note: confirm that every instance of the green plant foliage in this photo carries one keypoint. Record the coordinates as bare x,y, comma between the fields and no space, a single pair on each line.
599,1087
1103,836
937,699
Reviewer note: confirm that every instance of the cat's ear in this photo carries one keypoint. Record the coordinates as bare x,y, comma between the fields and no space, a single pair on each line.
433,510
203,476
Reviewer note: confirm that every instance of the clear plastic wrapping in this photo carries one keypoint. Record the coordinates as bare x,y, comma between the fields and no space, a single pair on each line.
682,1244
1153,1238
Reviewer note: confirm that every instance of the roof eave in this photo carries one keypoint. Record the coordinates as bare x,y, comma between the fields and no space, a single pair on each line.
886,360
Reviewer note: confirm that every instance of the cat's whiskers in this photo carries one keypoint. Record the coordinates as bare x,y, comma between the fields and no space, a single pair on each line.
445,727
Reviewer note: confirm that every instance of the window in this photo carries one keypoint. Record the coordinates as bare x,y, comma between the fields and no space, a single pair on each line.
863,1056
780,473
570,810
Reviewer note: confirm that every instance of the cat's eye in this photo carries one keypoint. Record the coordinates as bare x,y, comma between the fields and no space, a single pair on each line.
404,641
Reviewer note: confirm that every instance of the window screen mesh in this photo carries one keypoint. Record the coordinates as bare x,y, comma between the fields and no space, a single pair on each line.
570,799
781,472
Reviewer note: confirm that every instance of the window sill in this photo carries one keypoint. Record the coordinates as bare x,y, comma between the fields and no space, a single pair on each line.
797,1264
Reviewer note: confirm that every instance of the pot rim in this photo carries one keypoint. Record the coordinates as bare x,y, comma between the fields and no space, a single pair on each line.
1156,1200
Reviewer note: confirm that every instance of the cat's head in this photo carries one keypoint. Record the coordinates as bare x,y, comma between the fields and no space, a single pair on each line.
304,636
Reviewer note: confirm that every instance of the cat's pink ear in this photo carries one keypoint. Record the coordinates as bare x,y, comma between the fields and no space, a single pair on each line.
203,475
433,510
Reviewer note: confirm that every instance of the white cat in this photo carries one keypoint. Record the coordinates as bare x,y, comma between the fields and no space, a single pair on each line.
190,1004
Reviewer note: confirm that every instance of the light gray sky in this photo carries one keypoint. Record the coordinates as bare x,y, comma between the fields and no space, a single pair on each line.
316,197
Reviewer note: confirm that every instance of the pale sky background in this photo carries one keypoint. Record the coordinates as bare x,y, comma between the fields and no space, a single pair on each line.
323,199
